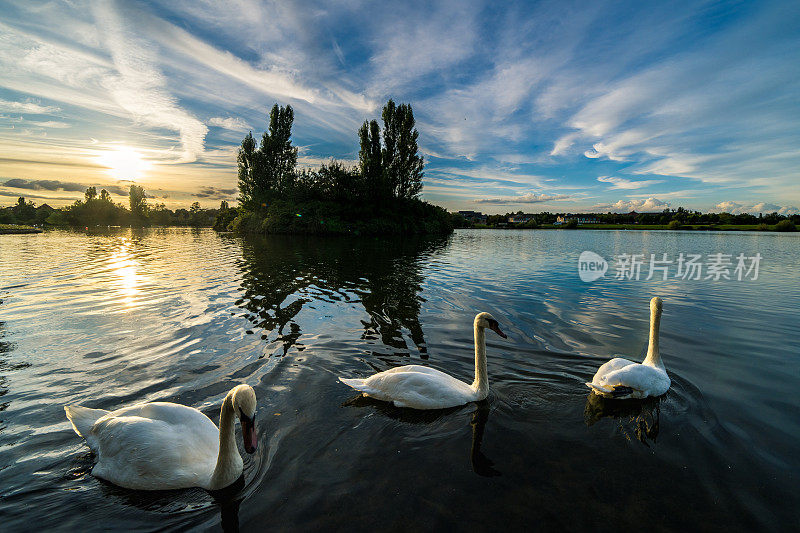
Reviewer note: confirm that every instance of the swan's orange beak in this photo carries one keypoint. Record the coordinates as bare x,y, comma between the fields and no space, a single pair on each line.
494,326
249,433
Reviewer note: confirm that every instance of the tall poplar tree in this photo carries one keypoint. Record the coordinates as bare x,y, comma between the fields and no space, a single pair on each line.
137,201
278,158
370,159
390,136
270,169
245,162
403,166
410,165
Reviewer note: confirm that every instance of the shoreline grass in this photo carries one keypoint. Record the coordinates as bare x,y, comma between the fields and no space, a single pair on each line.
16,229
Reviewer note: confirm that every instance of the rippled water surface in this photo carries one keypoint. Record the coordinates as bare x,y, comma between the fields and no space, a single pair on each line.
111,319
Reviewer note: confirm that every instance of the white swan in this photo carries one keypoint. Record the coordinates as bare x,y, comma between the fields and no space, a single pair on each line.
623,379
160,445
422,387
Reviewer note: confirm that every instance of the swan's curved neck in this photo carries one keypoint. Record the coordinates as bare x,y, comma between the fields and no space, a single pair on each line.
653,355
229,462
481,383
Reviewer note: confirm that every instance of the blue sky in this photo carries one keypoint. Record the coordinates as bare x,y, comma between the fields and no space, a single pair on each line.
533,106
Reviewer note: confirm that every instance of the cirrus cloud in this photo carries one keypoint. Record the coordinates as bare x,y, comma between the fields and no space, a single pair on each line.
530,198
228,123
622,183
26,107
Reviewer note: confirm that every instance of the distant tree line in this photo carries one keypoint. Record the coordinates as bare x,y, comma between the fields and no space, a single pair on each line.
379,195
100,210
675,218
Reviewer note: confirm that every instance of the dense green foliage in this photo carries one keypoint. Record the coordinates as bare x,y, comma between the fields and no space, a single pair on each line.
379,196
269,171
317,216
138,203
25,212
401,164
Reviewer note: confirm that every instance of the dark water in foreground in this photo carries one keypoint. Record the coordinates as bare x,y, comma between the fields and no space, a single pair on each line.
181,315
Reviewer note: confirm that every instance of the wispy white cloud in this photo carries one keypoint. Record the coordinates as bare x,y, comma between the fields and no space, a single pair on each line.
529,198
57,124
229,123
692,113
423,41
27,107
622,183
140,87
492,175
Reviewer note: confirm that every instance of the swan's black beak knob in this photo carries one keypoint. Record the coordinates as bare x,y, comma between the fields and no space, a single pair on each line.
494,326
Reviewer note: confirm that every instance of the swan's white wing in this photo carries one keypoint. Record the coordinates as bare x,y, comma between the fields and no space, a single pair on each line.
643,380
156,446
415,368
612,366
430,389
598,383
171,413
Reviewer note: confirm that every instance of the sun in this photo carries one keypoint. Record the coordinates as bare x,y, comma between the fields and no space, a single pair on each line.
123,163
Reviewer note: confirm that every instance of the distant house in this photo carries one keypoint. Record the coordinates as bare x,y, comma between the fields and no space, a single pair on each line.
474,216
581,219
521,219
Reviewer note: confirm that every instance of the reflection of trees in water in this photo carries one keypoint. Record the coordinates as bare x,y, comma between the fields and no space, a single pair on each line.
637,419
284,274
6,366
4,348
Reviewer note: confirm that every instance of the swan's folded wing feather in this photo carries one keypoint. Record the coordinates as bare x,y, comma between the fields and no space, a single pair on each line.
82,420
420,390
647,380
171,413
145,453
612,366
415,368
358,384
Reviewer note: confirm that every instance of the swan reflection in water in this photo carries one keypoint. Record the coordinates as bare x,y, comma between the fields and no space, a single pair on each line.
637,419
185,502
229,500
481,465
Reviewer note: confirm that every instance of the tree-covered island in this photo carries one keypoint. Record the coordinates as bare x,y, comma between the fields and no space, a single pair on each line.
378,196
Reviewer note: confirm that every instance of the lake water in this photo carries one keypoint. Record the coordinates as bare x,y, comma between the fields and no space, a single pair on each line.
115,318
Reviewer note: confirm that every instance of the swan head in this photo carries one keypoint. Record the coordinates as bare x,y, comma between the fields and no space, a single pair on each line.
244,405
485,320
655,305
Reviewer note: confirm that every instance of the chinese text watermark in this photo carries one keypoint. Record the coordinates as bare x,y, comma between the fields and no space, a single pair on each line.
714,267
